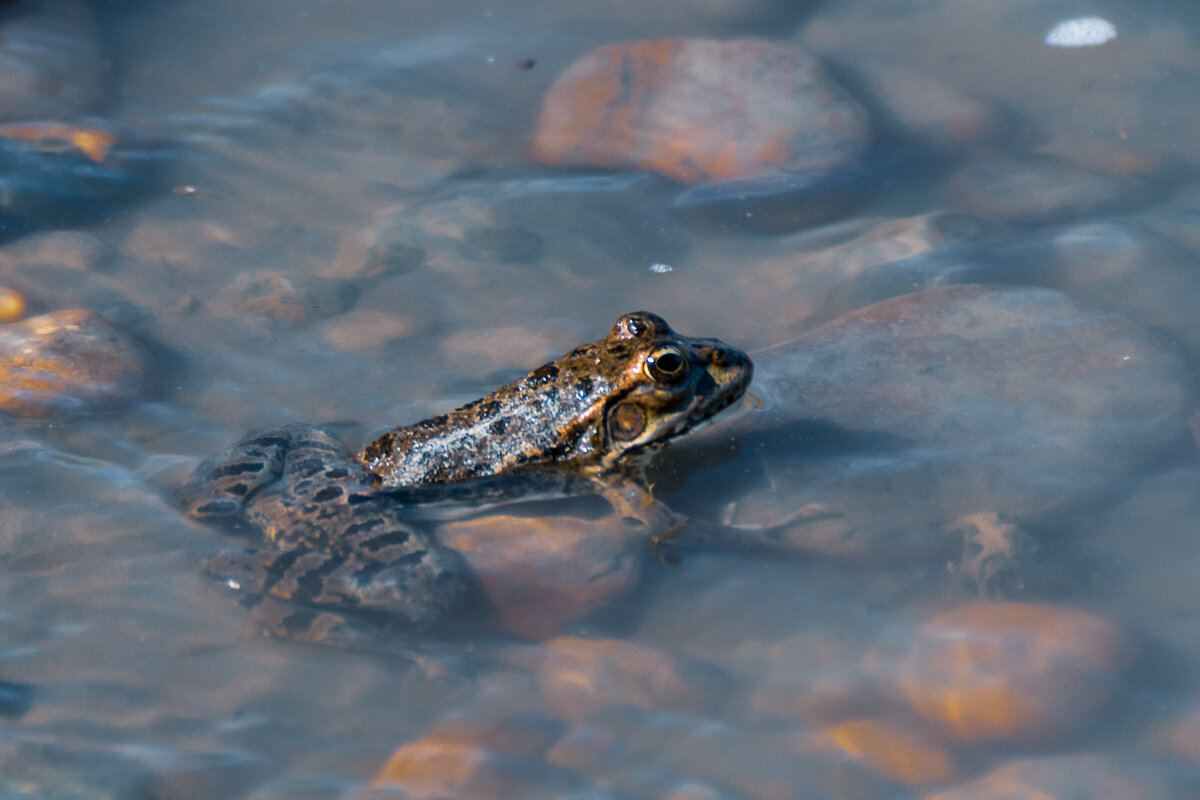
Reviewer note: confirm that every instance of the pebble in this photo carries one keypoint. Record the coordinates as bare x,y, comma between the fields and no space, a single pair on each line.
1178,219
1062,778
862,247
1182,737
76,250
12,305
1036,190
1029,672
639,753
541,572
1142,545
463,237
926,107
479,760
68,360
364,330
701,110
807,676
892,748
1106,264
582,677
293,300
52,65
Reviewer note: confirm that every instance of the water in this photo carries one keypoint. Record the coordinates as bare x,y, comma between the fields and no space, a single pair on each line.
358,237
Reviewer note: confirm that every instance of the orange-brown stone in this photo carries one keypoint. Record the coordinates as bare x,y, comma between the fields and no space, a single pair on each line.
66,361
93,144
12,305
580,677
476,759
1064,778
893,750
539,572
699,110
1012,670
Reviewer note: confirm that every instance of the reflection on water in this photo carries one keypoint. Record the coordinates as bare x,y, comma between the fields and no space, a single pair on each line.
950,550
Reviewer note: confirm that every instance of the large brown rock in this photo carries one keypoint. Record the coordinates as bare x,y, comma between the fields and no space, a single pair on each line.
972,363
888,423
699,110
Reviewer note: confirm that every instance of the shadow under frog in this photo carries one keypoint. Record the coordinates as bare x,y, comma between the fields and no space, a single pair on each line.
338,540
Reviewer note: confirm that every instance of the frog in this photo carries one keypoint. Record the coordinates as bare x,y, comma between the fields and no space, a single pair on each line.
337,540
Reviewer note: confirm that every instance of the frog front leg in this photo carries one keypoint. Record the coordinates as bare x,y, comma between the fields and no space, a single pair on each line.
632,498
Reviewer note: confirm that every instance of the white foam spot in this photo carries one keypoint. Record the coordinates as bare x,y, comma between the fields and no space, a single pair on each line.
1081,32
661,268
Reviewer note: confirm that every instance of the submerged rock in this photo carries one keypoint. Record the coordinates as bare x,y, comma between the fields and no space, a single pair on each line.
12,305
271,296
57,174
539,573
67,360
52,64
1065,777
701,110
1012,671
968,363
893,749
476,759
889,423
925,107
583,677
1034,189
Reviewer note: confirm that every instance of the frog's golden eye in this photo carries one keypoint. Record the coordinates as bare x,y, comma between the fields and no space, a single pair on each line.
667,365
626,422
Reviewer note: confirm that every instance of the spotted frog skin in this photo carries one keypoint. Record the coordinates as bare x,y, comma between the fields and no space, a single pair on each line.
337,534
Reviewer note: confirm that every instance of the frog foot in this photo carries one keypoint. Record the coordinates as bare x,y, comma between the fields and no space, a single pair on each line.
221,486
320,586
633,501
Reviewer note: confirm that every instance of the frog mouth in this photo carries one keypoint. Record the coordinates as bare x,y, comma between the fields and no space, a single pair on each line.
723,391
717,414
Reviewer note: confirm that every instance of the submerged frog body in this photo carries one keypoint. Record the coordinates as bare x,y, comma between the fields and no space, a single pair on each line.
335,525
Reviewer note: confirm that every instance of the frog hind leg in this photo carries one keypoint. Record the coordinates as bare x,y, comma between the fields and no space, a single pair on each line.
413,591
276,618
219,488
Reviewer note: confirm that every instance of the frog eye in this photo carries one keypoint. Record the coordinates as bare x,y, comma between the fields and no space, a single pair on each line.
626,422
667,365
